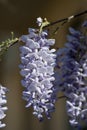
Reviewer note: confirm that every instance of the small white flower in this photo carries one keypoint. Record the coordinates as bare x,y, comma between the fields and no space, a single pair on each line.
39,21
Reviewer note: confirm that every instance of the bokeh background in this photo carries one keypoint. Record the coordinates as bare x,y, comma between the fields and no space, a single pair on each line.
18,16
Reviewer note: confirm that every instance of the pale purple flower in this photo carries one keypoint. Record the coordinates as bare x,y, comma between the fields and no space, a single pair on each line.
3,101
37,68
72,72
84,24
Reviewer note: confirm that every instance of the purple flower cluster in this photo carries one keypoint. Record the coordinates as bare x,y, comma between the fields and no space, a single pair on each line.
72,68
3,101
37,68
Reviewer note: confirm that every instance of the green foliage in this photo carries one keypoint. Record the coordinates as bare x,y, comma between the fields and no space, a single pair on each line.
7,43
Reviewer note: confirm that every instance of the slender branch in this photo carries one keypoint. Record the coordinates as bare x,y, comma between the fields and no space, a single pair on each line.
13,42
59,27
68,19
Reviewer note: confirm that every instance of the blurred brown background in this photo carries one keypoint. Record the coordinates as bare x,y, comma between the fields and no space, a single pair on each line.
18,16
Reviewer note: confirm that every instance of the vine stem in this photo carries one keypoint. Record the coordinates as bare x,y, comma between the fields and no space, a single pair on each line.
14,42
68,19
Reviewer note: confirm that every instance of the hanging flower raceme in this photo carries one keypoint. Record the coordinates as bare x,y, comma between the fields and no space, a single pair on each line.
72,61
3,101
37,68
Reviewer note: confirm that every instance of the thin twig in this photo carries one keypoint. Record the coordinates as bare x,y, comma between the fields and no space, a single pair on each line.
66,19
14,42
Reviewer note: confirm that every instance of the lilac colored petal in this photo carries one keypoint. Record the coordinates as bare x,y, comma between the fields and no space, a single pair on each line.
72,74
3,101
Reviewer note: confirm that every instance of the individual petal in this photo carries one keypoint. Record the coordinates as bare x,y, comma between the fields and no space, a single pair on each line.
25,50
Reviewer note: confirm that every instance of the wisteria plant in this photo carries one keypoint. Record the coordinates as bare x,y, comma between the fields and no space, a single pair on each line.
47,71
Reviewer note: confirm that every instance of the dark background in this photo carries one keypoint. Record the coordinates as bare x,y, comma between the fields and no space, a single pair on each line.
18,16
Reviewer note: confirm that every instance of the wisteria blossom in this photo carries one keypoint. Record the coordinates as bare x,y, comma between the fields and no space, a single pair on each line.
47,72
72,68
3,101
37,68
